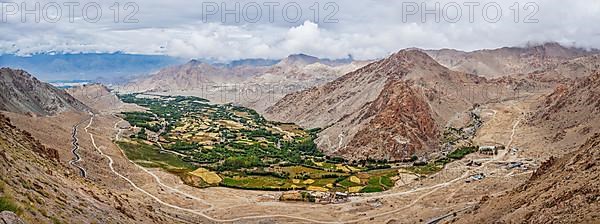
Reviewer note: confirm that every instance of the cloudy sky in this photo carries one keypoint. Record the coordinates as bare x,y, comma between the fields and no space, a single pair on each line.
365,29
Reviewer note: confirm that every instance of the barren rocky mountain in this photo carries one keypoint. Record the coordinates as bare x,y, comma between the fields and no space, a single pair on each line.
100,98
198,75
192,75
388,109
562,190
256,85
572,111
23,93
508,60
569,70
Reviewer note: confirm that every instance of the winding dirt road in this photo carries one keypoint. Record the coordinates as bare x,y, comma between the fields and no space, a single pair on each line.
77,157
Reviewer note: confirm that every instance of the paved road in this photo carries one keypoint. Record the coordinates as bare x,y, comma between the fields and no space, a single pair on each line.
77,157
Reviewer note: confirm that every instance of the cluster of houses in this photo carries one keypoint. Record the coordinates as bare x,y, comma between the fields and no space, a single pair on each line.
316,197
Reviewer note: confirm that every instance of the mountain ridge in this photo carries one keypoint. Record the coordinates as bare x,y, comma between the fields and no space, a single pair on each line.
508,60
406,87
23,93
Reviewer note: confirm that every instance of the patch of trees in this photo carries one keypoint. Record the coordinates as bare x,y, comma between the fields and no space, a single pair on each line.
302,176
330,175
142,134
283,175
238,162
377,167
462,152
183,146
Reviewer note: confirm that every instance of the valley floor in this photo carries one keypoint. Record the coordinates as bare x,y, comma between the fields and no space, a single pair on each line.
430,198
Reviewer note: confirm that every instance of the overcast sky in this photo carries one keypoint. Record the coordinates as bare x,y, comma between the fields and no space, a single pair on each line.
366,29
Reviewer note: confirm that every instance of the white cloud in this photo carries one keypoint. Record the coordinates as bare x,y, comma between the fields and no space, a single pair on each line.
366,29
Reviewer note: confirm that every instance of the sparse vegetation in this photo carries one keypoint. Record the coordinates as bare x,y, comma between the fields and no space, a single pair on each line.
7,204
462,152
150,156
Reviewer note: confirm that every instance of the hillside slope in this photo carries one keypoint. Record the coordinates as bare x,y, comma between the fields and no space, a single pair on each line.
571,112
23,93
389,109
41,190
562,190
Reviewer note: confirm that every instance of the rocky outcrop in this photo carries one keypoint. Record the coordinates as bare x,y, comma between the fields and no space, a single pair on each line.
402,124
20,92
98,97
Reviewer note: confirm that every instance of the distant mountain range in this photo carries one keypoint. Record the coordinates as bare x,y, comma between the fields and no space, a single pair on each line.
255,83
508,60
104,67
114,68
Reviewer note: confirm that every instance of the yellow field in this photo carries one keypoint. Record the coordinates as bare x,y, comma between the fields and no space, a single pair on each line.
343,168
353,169
355,180
207,176
315,188
309,181
355,189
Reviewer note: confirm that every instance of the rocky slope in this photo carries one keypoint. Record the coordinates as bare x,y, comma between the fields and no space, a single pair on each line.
563,190
389,109
572,111
101,99
23,93
569,70
39,189
508,60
